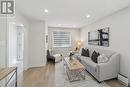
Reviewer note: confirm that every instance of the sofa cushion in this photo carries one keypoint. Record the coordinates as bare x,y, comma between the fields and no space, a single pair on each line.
95,56
85,52
83,58
88,61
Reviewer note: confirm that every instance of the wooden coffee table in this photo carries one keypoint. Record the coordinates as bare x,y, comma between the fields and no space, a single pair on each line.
74,69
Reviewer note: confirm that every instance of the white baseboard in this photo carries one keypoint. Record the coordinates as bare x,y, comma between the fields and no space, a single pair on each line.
123,79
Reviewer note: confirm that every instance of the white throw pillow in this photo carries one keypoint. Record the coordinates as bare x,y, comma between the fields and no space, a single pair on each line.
102,58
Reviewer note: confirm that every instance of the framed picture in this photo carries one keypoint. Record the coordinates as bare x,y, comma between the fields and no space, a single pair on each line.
99,37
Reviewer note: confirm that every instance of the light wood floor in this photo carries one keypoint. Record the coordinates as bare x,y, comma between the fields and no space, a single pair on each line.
40,77
114,83
45,77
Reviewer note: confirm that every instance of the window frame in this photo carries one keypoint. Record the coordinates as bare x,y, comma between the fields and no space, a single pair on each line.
65,46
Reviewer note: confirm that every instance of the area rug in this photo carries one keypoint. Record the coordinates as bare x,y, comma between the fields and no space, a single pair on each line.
61,79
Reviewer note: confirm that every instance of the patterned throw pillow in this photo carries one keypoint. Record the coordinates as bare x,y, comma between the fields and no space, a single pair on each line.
94,56
85,52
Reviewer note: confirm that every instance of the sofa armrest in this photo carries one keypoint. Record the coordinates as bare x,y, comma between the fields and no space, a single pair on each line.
109,69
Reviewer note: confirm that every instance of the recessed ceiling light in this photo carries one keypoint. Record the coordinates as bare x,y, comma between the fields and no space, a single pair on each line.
88,16
46,10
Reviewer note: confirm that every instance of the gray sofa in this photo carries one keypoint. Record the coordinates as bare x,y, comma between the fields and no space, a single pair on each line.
102,71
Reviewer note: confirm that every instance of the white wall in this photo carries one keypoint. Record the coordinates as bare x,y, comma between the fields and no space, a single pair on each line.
46,43
119,24
7,59
4,26
20,19
75,36
12,44
37,56
3,29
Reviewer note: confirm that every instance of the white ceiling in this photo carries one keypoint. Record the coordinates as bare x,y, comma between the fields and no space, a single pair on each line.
69,13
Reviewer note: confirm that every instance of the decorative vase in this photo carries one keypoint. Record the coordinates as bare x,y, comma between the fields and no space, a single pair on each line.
71,55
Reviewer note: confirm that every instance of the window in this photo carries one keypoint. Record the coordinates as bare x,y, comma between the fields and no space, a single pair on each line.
61,39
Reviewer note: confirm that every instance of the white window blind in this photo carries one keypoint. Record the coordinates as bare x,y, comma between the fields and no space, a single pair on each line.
61,39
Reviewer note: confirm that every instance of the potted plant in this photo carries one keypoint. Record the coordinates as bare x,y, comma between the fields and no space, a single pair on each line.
71,55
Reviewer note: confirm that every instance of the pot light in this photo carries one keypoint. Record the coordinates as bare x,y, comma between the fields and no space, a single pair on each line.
46,10
88,16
